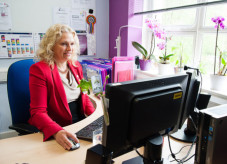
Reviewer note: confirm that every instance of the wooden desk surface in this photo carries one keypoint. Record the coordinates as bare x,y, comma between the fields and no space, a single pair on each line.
30,149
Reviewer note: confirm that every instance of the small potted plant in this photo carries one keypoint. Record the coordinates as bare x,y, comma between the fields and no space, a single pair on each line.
148,56
180,58
164,66
219,78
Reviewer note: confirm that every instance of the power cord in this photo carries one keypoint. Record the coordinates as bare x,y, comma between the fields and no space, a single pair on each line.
184,159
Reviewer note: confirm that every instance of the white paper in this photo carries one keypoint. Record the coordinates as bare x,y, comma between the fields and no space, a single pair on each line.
37,37
5,17
78,20
61,15
86,4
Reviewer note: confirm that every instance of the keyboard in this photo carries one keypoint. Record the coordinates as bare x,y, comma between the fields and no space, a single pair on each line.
87,132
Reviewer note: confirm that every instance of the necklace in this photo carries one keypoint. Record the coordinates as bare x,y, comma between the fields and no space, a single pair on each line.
63,71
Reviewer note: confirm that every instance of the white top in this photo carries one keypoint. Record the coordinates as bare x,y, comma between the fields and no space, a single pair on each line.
70,86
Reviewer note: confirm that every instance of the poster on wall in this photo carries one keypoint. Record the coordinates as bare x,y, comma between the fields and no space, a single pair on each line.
37,37
78,20
61,15
83,44
83,4
5,17
16,45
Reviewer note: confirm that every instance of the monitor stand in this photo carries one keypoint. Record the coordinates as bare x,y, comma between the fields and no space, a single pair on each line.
152,151
187,133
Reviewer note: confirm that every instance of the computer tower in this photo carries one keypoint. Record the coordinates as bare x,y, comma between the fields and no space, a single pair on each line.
211,146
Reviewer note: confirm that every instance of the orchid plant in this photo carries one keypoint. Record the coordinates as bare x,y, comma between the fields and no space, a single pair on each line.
222,65
156,31
219,25
164,59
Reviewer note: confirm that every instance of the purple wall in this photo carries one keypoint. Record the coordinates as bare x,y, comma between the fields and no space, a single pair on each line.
121,14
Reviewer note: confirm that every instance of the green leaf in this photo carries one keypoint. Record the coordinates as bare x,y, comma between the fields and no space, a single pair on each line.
140,48
168,56
85,85
223,61
174,48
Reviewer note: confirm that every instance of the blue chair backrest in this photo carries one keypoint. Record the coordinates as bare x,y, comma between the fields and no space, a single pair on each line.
18,90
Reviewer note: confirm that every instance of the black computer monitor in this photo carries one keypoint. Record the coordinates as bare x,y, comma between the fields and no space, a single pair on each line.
142,109
187,131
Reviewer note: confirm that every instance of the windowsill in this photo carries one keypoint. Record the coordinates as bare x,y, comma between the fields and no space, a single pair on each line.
205,83
215,93
206,88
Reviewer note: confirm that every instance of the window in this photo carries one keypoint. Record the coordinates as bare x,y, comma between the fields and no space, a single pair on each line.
191,28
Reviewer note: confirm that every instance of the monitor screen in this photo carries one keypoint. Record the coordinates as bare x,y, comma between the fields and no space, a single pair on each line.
141,109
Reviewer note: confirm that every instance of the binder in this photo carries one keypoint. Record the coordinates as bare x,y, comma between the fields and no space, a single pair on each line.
123,71
122,68
97,68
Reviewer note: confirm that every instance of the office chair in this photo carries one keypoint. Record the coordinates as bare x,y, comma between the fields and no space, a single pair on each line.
19,96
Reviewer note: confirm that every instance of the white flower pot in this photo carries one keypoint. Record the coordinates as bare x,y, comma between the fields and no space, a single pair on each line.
165,69
218,83
178,69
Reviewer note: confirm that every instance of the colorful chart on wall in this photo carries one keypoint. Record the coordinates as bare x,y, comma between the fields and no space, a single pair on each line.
16,45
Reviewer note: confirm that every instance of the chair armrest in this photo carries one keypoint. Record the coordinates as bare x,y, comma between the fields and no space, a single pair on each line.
24,129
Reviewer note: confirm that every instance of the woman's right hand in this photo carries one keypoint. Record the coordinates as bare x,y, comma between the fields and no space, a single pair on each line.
62,139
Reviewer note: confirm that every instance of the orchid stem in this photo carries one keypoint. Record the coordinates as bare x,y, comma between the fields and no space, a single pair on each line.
216,49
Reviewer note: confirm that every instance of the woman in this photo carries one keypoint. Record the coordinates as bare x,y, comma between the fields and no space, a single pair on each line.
55,99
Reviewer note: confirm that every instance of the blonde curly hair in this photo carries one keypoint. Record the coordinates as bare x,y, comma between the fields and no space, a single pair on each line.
53,34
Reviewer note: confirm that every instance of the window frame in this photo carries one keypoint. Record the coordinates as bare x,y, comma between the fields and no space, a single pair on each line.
197,30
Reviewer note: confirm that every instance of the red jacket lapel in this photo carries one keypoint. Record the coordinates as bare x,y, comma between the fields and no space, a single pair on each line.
76,72
60,88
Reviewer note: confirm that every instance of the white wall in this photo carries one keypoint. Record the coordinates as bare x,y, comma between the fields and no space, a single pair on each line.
26,19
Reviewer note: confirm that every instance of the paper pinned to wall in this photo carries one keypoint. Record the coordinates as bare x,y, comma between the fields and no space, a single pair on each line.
61,15
83,4
78,18
5,17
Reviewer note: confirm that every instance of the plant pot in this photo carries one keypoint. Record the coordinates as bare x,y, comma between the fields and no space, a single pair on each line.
145,65
178,69
218,83
165,69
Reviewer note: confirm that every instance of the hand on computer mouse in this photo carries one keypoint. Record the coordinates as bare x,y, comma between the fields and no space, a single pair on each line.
75,144
62,139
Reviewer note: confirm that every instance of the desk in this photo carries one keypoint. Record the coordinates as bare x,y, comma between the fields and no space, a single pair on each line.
30,149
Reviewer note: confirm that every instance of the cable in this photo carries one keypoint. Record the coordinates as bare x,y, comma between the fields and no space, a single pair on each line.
193,122
172,154
201,83
178,151
184,159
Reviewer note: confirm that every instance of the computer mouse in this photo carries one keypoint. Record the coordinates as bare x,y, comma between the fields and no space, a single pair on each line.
75,145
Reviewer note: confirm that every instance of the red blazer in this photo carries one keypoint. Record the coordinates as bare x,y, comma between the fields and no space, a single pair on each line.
48,107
